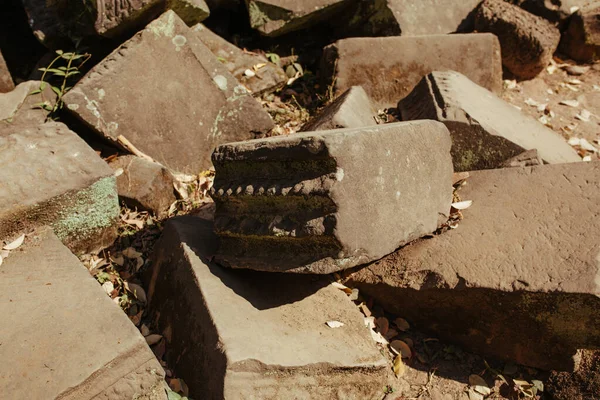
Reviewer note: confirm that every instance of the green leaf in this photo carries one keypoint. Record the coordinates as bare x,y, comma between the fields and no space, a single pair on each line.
43,85
67,56
55,71
36,92
78,56
274,58
73,73
62,68
59,52
173,395
56,90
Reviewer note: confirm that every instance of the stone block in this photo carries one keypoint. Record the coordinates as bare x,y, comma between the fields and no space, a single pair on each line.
17,106
581,41
191,12
389,68
528,158
6,81
517,279
352,109
64,337
554,10
486,131
277,17
176,110
528,42
320,202
413,18
234,334
268,78
52,177
144,185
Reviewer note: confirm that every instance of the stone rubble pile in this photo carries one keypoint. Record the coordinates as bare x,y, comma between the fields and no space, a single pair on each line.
506,264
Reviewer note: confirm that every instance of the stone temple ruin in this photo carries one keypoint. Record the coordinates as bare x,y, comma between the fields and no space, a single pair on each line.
325,199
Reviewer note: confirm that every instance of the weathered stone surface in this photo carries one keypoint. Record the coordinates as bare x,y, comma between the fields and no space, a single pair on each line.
583,384
191,12
486,131
527,41
518,278
176,110
17,106
528,158
6,81
581,41
52,177
276,17
352,109
234,334
320,202
413,18
63,335
144,185
552,10
389,68
269,77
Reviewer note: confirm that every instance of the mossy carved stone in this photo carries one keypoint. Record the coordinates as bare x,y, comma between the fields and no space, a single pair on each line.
324,201
54,178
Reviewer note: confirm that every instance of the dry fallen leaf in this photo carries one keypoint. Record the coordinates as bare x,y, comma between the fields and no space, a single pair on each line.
354,295
153,339
249,73
108,287
145,330
378,338
137,290
334,324
382,324
479,385
584,115
15,243
401,348
402,324
4,253
462,205
342,287
399,368
130,252
570,103
1,259
473,395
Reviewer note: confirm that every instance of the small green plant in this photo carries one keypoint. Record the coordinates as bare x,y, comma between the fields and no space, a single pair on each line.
60,75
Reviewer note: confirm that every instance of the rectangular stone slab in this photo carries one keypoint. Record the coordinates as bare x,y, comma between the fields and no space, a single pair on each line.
486,131
50,176
176,110
64,337
519,279
352,109
413,18
324,201
388,68
234,334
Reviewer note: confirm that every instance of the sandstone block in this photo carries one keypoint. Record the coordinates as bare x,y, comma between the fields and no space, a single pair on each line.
6,82
413,18
553,10
177,110
518,278
17,106
527,41
352,109
486,131
527,158
389,68
144,185
63,335
234,334
52,177
581,41
320,202
268,78
276,17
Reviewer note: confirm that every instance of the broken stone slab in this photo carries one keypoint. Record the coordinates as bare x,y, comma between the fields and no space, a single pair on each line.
6,81
528,42
486,131
321,202
234,334
64,336
277,17
352,109
52,177
554,10
191,12
176,111
144,185
265,77
389,68
18,107
527,158
581,41
412,18
517,279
